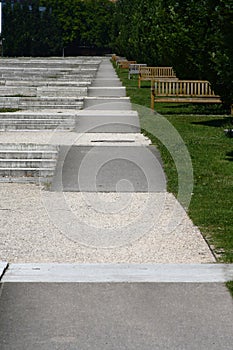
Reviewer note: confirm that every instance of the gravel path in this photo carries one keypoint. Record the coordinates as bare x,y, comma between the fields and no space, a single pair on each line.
41,226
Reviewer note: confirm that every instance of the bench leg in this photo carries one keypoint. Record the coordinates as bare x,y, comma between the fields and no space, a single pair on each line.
152,99
139,82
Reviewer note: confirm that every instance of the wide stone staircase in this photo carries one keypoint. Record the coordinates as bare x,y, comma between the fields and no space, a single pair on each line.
39,95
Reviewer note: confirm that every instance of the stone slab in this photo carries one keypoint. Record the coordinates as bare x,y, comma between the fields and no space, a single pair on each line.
109,169
132,316
115,273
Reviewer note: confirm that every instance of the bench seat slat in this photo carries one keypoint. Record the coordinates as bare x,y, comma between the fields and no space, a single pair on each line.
212,99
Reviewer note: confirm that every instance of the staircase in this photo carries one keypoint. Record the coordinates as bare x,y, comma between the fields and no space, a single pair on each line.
27,162
25,121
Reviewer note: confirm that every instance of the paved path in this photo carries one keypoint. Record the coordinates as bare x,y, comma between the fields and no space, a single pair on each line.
104,219
114,315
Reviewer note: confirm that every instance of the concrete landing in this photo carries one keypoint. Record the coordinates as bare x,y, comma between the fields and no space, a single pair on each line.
109,169
132,316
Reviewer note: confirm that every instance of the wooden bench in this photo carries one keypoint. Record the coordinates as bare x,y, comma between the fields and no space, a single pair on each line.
154,73
124,64
115,57
184,91
134,68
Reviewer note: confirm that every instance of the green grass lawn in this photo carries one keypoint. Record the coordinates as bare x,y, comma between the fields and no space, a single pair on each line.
211,152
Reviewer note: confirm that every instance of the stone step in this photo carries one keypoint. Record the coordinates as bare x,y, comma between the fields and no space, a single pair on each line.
41,103
17,90
107,91
44,91
39,70
28,147
61,91
24,154
26,163
23,174
73,77
33,125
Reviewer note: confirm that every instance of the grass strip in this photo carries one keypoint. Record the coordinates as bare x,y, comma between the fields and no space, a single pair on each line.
202,129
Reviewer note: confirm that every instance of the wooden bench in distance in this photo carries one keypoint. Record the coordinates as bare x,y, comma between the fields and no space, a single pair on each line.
125,64
115,57
134,68
154,73
184,91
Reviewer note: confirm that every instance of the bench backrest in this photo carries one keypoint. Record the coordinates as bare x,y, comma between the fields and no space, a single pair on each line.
153,72
125,64
182,88
134,68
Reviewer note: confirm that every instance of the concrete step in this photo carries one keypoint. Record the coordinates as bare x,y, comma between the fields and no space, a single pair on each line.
106,82
107,91
101,121
108,103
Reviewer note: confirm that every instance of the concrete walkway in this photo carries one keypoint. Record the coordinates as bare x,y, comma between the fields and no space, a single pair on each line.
132,299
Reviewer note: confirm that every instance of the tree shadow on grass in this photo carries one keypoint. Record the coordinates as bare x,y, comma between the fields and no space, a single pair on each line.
174,108
229,156
217,123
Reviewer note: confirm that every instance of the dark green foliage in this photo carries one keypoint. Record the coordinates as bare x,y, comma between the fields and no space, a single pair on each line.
195,37
30,32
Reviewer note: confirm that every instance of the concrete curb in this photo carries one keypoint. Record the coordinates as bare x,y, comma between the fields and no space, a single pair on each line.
3,266
116,273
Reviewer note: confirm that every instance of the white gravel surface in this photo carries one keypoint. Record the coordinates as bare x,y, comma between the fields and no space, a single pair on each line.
41,226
